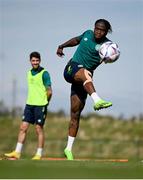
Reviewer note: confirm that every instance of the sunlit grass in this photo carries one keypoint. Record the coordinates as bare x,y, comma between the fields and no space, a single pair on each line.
70,169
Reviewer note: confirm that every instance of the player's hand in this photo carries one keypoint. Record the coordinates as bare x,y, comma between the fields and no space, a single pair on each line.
60,52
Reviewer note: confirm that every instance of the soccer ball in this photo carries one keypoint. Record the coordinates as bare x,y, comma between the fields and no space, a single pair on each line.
109,52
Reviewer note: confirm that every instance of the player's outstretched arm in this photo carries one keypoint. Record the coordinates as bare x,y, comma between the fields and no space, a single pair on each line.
70,43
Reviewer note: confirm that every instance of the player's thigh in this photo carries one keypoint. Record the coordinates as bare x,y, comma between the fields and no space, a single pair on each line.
82,75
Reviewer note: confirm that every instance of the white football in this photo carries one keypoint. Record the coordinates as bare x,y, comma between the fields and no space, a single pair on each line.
109,52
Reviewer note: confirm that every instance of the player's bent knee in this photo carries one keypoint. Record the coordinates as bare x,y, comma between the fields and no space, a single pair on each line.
23,128
38,128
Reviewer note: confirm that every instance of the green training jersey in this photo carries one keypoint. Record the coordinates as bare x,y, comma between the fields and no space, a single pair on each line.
45,76
87,51
37,93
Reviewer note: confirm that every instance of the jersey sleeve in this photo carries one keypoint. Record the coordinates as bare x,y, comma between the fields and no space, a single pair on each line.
46,79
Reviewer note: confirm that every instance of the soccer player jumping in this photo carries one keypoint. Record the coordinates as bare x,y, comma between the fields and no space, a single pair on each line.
79,72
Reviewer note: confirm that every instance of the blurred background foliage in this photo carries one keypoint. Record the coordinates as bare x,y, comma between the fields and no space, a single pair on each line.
98,137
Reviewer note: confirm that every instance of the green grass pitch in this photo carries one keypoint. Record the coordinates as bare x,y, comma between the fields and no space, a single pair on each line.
63,169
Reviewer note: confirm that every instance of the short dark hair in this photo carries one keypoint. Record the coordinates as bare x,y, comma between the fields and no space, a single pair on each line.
107,24
35,54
